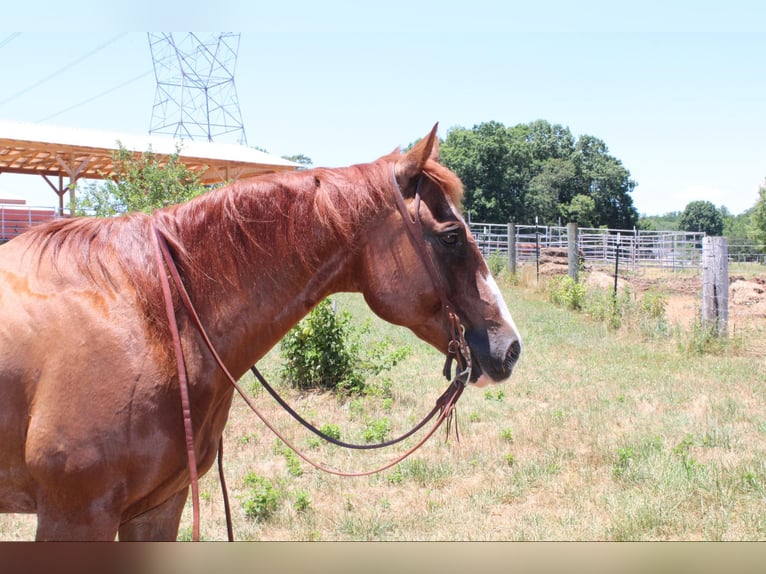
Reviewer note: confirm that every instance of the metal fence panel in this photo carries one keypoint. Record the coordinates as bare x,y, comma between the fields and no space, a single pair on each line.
664,249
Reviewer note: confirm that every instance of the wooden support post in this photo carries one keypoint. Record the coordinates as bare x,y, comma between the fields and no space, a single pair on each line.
573,257
511,248
715,284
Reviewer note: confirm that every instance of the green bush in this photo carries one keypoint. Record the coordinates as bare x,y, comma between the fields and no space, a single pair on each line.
320,353
565,291
324,351
497,263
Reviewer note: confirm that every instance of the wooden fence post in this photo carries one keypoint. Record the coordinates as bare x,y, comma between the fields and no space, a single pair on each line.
715,284
573,258
511,247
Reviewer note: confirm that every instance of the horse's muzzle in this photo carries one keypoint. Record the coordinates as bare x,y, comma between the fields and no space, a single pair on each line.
493,361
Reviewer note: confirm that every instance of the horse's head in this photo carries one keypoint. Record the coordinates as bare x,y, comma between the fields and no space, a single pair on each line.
398,285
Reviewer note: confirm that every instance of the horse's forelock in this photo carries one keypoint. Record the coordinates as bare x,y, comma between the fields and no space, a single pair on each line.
447,181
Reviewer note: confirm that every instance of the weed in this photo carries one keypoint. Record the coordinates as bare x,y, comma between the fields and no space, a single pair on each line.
566,292
425,473
366,528
262,499
494,395
625,456
331,430
396,476
702,339
652,321
377,430
356,407
497,263
302,501
507,434
682,449
293,462
633,460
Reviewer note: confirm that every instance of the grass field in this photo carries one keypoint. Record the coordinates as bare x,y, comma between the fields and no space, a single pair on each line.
600,434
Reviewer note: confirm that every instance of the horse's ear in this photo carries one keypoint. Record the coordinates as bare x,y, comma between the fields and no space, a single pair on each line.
409,167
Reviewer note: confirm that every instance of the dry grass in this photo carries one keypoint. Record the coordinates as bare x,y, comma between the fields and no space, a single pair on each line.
599,435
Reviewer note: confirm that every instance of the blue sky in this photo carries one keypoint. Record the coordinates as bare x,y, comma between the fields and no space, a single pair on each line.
677,90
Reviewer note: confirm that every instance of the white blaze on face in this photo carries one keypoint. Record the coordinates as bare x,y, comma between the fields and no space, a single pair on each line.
484,380
506,314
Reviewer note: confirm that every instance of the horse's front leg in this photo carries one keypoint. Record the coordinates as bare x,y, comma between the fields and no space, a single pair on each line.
91,520
159,523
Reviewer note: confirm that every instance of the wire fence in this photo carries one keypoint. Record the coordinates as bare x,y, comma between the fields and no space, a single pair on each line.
671,250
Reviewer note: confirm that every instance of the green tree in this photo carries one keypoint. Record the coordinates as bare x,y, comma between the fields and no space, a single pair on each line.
536,170
701,216
489,161
300,158
550,190
756,229
666,222
143,182
581,210
607,182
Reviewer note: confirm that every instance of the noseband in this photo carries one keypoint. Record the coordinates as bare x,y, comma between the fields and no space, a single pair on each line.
457,349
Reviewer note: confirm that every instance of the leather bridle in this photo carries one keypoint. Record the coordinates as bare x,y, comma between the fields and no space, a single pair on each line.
457,350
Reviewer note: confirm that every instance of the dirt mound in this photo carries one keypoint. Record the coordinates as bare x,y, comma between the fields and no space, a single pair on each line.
555,261
748,293
605,281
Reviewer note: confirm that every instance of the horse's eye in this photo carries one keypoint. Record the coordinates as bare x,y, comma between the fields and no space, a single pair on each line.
450,237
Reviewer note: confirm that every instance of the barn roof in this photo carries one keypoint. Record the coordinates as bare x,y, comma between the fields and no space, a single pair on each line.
77,153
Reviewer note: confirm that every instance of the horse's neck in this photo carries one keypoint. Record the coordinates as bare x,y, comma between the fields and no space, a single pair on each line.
275,276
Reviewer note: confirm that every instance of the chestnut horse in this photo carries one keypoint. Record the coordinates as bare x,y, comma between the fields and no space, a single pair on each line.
91,428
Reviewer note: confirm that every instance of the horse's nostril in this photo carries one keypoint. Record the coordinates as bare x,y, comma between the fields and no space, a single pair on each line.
513,354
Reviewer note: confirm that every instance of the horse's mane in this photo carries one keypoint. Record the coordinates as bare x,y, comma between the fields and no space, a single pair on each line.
289,214
276,214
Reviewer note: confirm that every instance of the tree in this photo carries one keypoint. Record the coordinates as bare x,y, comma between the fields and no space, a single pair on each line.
549,191
488,163
536,170
756,229
701,216
142,183
607,182
300,158
582,211
665,222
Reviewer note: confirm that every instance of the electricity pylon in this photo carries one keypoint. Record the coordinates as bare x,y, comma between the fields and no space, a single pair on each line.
196,97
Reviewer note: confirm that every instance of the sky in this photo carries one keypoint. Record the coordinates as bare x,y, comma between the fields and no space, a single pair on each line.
676,90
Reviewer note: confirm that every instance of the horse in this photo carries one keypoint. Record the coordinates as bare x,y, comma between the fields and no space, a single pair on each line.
90,420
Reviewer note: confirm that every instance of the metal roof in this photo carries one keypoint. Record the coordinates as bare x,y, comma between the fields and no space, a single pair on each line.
76,153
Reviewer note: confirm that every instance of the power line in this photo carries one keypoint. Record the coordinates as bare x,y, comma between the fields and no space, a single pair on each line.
97,96
10,38
62,70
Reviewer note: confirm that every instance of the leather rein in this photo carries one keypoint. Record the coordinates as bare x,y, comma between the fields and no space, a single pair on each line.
457,350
